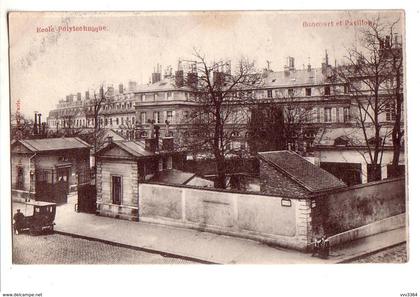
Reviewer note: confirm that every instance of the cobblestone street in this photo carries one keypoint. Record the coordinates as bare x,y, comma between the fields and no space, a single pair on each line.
60,249
396,254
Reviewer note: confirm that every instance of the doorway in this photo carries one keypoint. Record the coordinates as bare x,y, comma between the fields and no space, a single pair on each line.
116,189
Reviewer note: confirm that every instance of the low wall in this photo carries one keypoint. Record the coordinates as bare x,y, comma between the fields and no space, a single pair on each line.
360,205
274,220
387,224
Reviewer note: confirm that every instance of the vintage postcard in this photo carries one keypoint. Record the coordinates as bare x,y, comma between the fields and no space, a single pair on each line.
228,137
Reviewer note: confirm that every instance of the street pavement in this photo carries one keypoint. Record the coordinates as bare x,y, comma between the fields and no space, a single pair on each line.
395,254
61,249
205,247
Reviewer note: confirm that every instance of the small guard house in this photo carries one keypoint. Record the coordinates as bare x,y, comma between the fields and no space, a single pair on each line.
48,169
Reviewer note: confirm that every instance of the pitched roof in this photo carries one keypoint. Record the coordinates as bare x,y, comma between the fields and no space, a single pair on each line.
134,148
51,144
311,177
297,77
172,176
166,84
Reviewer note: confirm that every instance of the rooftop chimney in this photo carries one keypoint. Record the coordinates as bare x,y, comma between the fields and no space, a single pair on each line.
79,96
192,79
156,75
179,78
36,123
291,63
87,95
121,88
132,85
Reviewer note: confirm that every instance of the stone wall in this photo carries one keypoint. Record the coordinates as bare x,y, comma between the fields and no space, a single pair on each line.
270,219
358,205
128,171
273,181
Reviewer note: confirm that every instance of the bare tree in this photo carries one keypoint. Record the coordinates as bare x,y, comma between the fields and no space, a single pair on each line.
280,123
22,127
92,111
396,100
220,97
367,73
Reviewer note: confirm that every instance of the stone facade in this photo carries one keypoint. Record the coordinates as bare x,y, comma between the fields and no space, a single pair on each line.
128,171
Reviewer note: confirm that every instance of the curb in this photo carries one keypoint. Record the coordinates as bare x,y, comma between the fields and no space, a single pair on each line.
366,254
137,248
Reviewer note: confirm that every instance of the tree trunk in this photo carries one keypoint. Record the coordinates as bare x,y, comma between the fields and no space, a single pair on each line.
396,130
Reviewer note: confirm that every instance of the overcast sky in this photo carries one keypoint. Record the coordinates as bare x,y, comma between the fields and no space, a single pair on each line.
46,66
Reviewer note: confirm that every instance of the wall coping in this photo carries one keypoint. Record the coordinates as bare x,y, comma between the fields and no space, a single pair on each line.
365,185
225,191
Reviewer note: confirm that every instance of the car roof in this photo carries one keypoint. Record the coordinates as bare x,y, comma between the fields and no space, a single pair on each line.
40,203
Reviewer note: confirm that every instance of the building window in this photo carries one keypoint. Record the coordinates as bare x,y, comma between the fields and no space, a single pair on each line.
327,91
345,89
346,114
291,92
143,117
169,95
270,93
169,116
117,121
110,121
308,91
116,190
19,178
156,116
390,112
327,114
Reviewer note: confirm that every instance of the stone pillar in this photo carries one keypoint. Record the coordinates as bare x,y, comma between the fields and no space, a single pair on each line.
384,171
303,223
364,173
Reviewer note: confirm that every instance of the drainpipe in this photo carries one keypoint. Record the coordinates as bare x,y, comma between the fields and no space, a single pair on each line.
29,168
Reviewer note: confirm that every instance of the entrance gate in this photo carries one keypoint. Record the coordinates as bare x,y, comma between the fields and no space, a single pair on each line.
51,186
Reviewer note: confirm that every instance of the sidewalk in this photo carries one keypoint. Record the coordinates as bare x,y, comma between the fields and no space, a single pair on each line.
203,246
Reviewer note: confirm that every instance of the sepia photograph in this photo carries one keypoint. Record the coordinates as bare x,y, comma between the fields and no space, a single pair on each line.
134,139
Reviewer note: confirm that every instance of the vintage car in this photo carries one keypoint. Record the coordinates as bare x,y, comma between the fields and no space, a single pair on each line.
41,220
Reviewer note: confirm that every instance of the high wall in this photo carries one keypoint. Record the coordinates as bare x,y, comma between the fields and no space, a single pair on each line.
276,220
358,205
